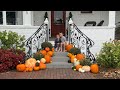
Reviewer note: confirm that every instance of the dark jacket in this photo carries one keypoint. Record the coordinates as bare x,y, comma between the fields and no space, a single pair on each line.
57,41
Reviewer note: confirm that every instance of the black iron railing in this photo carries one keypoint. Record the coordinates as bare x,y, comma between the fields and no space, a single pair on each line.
34,42
80,40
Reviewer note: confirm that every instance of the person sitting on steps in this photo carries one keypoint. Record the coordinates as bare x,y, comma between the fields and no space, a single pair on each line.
63,42
57,43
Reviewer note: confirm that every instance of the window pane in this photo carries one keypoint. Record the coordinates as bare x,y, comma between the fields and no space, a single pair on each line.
1,18
58,17
14,18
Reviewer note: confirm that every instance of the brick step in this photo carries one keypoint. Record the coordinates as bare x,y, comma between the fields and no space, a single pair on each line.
59,65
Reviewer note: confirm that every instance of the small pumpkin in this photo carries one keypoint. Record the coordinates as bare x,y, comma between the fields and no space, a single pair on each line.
21,67
69,55
80,56
36,68
53,49
86,68
68,47
30,69
43,60
50,53
43,52
47,58
26,70
42,65
78,66
81,70
72,59
47,49
94,68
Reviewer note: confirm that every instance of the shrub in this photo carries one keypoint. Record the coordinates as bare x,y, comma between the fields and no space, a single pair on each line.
109,55
46,44
74,51
11,40
9,59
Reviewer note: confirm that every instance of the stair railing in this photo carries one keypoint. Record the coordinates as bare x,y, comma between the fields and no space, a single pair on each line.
33,43
80,40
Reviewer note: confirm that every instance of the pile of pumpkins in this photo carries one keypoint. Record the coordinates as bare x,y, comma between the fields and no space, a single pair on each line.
33,64
75,59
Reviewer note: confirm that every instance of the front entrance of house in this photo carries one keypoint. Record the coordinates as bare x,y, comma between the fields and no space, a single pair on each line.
57,22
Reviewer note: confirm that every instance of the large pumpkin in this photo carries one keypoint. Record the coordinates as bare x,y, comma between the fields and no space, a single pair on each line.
78,66
43,52
42,65
47,58
80,56
72,59
47,49
21,67
30,63
50,53
94,68
68,47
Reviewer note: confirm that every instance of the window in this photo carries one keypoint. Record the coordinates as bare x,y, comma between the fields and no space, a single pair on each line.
11,17
1,18
58,17
86,11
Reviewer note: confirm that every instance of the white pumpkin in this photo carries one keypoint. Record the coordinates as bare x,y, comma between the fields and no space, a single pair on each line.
43,60
75,59
86,68
38,61
81,70
76,63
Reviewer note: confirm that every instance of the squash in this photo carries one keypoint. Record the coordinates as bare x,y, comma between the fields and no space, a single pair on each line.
50,53
78,66
76,63
21,67
86,68
30,69
43,52
80,56
47,49
47,58
69,55
81,70
26,70
36,68
43,60
30,63
72,59
42,65
53,49
94,68
68,47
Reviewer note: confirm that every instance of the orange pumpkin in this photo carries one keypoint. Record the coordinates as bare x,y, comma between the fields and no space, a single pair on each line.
43,52
21,67
53,49
72,59
80,56
78,66
94,68
47,49
36,68
50,53
30,69
68,47
42,65
47,58
69,55
26,70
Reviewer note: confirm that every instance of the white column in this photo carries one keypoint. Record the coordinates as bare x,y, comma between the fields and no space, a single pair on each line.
27,19
4,17
111,18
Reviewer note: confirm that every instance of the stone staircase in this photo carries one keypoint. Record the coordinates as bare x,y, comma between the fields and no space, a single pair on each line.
60,60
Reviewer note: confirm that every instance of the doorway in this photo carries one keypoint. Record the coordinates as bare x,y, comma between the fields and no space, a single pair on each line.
57,22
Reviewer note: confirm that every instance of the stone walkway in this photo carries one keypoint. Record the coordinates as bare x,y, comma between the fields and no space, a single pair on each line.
55,73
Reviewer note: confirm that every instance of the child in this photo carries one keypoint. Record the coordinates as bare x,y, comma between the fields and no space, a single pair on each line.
57,43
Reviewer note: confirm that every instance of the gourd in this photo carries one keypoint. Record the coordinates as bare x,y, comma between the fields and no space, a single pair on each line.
21,67
86,68
43,60
78,66
94,68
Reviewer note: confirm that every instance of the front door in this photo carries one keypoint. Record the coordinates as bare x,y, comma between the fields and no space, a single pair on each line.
57,22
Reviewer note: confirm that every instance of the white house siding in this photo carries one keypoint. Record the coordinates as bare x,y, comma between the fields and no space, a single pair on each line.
80,19
99,35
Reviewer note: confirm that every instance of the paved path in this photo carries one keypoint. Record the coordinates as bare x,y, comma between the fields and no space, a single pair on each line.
55,73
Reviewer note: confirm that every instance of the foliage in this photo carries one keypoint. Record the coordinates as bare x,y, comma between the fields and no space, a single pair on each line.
11,40
109,55
46,44
9,59
38,56
85,62
74,51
